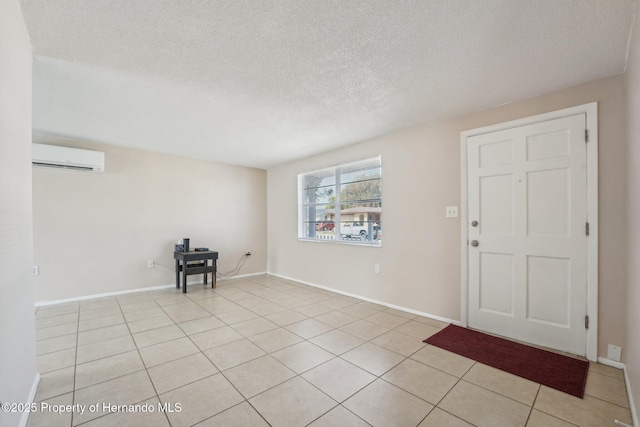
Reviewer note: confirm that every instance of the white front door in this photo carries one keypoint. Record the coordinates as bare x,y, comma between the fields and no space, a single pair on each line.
527,211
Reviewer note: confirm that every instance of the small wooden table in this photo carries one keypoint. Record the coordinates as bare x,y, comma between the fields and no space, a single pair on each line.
182,264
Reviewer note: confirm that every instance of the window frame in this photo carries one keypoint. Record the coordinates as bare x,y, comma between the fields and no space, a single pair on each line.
303,206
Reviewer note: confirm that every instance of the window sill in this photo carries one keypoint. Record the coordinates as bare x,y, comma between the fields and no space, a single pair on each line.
376,244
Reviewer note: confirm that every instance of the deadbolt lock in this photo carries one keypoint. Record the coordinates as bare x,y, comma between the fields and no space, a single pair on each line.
474,223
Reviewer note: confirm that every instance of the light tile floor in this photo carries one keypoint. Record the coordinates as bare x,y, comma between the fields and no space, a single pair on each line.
265,351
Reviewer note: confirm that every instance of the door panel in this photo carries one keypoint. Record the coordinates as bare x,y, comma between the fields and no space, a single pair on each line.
548,145
496,154
496,283
496,206
548,285
527,188
545,189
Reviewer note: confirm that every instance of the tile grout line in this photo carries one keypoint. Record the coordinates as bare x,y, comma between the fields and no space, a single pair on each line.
558,418
333,358
143,363
409,392
454,386
75,367
246,399
533,404
498,393
377,377
214,365
339,357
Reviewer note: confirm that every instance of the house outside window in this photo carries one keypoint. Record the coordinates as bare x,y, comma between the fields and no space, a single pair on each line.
342,203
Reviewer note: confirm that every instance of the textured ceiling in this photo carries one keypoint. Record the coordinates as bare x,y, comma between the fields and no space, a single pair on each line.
258,83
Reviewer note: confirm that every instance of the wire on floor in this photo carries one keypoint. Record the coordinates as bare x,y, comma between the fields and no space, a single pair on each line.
219,275
236,270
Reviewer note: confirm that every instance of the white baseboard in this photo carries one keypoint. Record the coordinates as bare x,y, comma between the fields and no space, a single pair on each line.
32,395
132,291
612,363
620,365
386,304
240,276
102,295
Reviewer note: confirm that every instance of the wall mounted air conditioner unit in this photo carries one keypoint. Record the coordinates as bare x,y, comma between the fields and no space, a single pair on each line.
67,158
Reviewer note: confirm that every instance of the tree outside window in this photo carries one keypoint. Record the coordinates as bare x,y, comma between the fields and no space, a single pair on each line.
352,214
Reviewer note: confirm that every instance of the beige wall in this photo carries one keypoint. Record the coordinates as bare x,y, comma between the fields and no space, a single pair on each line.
94,232
420,255
17,328
632,343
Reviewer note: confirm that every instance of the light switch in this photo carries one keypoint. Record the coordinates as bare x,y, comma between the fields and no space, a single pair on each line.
452,212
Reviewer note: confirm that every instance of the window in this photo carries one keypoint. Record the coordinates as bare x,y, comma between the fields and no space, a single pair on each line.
342,203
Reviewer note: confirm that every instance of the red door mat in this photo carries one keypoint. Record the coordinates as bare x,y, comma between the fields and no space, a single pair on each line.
551,369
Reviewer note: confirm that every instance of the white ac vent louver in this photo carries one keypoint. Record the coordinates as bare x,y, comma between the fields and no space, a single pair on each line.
55,156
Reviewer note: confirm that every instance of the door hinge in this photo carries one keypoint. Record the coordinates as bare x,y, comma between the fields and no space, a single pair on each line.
586,135
586,322
586,228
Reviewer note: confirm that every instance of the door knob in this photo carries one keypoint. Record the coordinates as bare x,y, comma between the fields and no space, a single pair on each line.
474,243
474,223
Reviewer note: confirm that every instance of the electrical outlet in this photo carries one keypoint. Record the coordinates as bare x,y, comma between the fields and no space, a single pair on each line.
150,263
452,212
36,270
614,353
248,253
376,268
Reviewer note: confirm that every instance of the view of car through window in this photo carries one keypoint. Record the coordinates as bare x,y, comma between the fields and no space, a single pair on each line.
342,203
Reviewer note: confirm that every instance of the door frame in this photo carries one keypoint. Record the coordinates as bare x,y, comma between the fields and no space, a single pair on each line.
591,111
